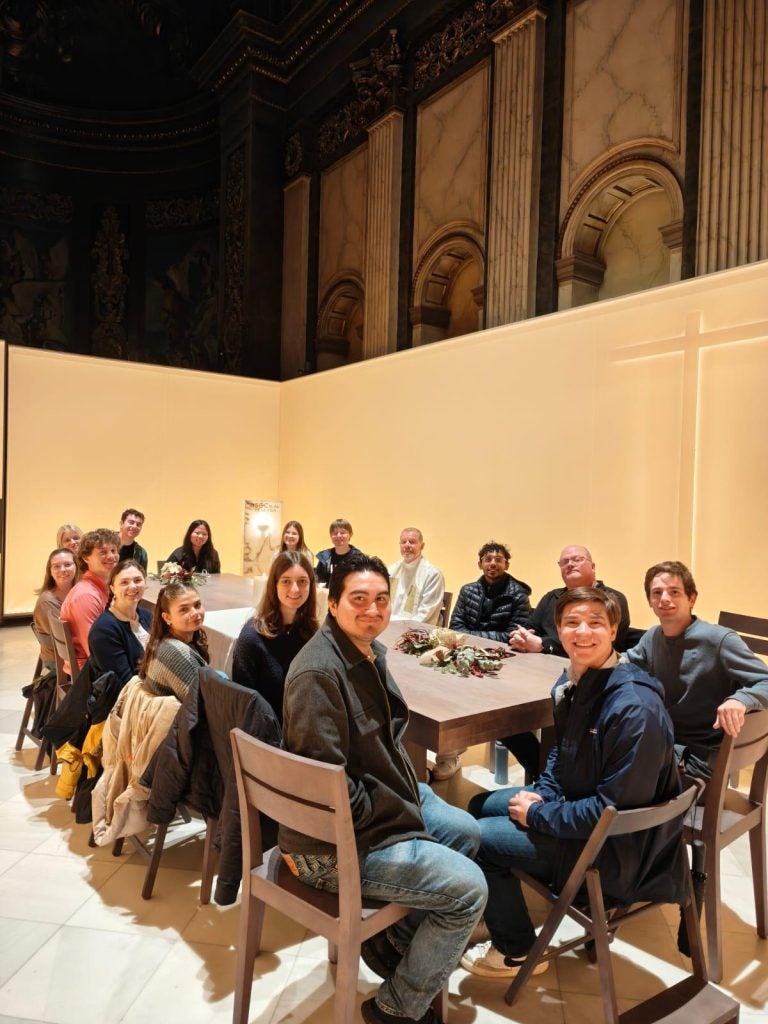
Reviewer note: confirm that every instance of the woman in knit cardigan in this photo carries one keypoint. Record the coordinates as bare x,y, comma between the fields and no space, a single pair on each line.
178,646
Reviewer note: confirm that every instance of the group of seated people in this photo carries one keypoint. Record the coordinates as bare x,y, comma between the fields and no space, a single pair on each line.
634,714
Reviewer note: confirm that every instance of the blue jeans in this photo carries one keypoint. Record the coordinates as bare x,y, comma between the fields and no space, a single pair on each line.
439,880
504,844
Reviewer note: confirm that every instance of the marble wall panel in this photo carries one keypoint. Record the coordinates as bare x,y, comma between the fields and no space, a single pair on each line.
343,195
451,154
623,80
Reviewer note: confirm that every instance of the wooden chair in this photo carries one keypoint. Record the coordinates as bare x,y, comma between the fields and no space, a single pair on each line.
753,631
63,651
311,797
693,999
152,850
727,814
24,731
444,615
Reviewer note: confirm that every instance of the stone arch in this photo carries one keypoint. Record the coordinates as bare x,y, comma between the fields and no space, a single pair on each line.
447,292
622,232
340,321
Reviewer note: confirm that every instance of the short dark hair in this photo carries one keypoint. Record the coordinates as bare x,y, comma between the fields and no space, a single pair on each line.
671,569
490,547
343,524
132,512
356,562
581,594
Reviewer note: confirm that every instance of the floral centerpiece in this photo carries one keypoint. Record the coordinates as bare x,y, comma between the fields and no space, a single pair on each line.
172,572
447,651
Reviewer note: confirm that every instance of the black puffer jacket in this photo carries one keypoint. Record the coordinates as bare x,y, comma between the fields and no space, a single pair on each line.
492,611
194,766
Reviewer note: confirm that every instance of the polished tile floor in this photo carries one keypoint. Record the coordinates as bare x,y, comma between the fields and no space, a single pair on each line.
77,942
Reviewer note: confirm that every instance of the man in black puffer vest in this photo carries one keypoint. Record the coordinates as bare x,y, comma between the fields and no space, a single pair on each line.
490,607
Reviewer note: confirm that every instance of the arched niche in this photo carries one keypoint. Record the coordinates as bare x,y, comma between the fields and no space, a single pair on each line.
340,322
447,293
622,233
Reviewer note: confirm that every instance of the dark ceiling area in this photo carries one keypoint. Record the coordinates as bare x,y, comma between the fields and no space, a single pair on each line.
120,54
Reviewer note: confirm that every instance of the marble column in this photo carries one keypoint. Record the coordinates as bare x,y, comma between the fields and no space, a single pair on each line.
518,86
733,172
295,261
382,240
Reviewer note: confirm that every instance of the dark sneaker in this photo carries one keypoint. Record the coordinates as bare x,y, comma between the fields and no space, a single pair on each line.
380,955
373,1014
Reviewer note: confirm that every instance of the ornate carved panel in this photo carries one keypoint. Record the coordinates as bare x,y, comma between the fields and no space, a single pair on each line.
182,211
459,38
233,326
110,286
378,80
25,204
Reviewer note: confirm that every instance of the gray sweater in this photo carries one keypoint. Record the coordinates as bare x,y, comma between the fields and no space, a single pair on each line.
700,669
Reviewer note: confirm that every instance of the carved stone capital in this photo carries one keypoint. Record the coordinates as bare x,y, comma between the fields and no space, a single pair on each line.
672,234
580,267
433,316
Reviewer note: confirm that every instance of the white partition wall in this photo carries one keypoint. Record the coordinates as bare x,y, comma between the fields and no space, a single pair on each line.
637,426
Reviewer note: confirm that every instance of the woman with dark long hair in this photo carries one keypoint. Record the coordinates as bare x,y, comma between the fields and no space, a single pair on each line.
284,622
178,647
197,553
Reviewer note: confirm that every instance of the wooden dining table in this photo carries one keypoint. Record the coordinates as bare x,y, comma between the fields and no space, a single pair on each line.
451,712
447,712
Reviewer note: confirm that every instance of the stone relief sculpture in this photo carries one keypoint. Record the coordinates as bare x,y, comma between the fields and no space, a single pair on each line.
110,285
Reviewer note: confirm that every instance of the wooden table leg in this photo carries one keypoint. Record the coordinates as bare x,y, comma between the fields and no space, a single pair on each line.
418,756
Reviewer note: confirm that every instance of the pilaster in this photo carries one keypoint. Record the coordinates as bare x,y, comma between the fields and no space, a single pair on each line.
293,323
733,174
515,169
382,242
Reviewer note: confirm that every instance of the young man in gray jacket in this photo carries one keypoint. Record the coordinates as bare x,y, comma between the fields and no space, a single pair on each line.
341,705
711,678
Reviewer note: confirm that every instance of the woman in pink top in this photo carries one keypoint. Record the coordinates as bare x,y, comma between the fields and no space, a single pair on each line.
98,554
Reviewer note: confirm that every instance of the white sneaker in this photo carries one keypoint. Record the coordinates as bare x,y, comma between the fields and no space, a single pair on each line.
446,766
486,961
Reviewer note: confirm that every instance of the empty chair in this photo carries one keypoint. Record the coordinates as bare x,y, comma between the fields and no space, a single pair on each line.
693,999
310,796
727,814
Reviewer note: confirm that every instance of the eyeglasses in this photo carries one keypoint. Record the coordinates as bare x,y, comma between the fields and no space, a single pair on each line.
576,560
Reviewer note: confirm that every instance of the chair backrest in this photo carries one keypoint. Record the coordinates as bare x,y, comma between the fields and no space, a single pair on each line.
613,822
444,615
306,795
63,649
753,630
748,749
41,640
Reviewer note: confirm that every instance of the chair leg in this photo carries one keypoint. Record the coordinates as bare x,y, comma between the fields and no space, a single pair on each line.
249,944
24,722
440,1004
757,842
154,862
44,748
347,970
550,926
117,849
712,917
602,952
209,856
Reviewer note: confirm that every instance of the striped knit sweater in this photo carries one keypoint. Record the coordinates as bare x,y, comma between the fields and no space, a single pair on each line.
173,669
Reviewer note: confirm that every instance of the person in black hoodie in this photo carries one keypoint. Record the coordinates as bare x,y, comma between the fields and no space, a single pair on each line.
615,746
